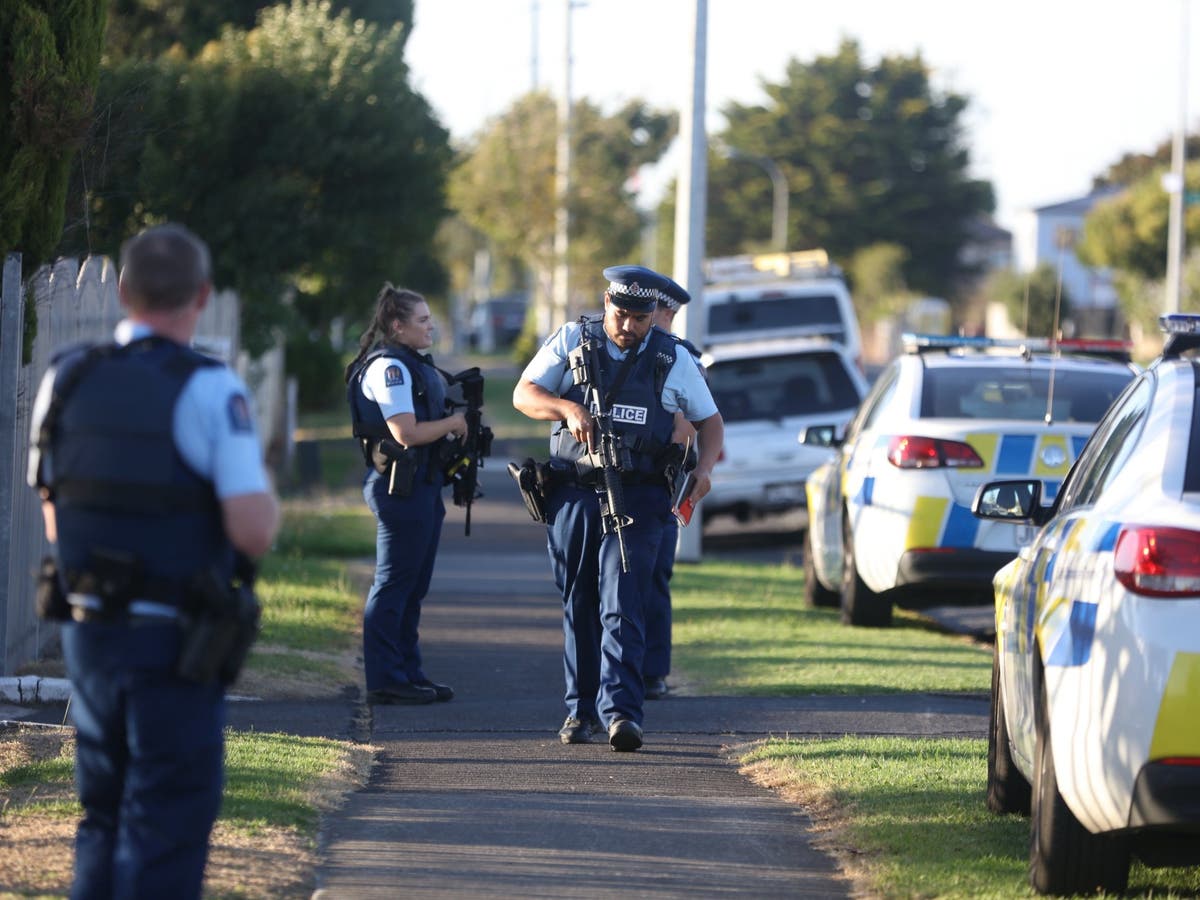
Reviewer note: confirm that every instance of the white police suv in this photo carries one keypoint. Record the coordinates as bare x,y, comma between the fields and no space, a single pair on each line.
1096,674
890,516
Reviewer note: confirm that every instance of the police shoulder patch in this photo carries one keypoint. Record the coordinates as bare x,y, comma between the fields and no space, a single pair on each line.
393,376
239,414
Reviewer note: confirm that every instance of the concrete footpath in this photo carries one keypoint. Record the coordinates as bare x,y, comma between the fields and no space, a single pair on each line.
478,796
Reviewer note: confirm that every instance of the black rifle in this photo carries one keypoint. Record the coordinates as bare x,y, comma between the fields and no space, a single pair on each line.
606,449
463,468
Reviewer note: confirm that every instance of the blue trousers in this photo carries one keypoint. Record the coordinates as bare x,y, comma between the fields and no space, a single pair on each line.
407,532
658,608
604,640
149,758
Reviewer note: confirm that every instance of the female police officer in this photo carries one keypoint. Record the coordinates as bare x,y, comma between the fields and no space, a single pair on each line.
398,408
645,381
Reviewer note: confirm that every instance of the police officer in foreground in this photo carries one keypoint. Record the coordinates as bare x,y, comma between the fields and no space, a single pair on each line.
151,475
658,609
603,559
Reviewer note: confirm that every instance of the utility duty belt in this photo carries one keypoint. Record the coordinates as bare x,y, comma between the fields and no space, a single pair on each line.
537,480
219,617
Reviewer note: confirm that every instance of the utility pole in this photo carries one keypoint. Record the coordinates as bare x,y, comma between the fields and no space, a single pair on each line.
690,197
533,45
1176,240
562,186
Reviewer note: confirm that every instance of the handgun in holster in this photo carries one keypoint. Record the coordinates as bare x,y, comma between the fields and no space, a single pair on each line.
531,482
220,624
393,459
52,603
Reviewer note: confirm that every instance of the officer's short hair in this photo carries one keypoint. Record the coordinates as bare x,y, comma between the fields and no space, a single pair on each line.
163,267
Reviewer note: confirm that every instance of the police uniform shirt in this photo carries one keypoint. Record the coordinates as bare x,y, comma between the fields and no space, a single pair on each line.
212,428
684,389
388,383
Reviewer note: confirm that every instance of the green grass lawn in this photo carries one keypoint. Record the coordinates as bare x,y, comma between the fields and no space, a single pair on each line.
913,813
906,816
744,629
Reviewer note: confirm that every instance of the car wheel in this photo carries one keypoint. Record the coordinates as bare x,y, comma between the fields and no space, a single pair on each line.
1064,857
1008,791
860,605
815,593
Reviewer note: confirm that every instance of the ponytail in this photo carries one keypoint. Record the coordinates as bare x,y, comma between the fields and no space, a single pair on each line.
393,304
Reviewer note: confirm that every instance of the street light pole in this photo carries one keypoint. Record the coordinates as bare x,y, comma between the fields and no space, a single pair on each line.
779,187
1178,182
690,195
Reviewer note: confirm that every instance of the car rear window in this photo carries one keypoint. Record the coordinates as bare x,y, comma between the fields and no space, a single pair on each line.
776,386
1022,392
819,313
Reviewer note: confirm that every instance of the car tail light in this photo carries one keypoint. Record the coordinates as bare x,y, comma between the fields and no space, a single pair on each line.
1179,761
1158,562
908,452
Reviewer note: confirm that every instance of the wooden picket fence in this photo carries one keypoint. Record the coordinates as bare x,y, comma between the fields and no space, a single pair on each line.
73,302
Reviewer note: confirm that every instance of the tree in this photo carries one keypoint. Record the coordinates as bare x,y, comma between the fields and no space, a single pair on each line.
49,58
878,275
1129,230
872,154
144,29
1031,299
297,149
1132,167
505,188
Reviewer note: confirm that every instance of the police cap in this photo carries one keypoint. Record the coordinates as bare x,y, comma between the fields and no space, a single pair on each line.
636,288
674,295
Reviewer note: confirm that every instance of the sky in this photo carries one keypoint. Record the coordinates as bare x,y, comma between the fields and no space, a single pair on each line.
1059,89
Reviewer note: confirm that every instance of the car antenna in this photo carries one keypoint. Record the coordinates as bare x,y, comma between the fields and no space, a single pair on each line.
1054,331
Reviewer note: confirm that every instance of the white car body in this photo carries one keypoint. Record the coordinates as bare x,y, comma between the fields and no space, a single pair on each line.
769,392
913,521
1098,635
776,295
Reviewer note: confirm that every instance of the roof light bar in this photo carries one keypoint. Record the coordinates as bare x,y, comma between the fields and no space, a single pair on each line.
1182,331
1095,345
917,343
1180,323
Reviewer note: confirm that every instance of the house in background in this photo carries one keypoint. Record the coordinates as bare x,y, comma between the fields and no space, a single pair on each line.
1049,234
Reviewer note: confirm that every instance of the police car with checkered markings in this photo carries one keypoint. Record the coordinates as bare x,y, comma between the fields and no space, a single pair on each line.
1096,672
890,516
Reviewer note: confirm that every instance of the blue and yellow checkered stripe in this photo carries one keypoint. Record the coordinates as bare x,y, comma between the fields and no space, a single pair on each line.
1072,646
941,522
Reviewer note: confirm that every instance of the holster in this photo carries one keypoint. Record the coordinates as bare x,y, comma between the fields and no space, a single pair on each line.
677,463
530,480
220,624
398,463
52,604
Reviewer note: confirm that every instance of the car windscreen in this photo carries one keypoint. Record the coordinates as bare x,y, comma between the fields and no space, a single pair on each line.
816,314
1021,392
772,387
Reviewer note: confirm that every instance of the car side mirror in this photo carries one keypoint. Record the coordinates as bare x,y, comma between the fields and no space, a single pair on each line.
820,436
1011,501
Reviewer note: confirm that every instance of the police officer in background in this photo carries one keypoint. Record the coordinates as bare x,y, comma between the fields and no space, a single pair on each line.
603,606
658,609
150,471
398,409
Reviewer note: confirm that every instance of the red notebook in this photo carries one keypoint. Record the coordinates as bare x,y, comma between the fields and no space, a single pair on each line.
684,506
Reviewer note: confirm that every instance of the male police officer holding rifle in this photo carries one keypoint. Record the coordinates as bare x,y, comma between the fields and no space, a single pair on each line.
152,482
645,380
